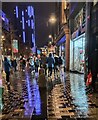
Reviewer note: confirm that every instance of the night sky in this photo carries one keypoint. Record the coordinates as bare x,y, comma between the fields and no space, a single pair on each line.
43,10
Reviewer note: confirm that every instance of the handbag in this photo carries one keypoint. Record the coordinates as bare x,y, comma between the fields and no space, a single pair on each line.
89,79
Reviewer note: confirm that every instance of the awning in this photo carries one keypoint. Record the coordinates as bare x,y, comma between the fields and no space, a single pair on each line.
62,40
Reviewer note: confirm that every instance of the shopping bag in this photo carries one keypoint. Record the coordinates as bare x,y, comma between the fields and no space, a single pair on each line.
89,79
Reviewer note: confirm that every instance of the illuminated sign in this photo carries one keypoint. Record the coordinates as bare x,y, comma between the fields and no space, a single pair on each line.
16,11
5,21
24,39
15,46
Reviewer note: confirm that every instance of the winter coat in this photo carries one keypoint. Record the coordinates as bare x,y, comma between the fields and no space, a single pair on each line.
50,61
6,66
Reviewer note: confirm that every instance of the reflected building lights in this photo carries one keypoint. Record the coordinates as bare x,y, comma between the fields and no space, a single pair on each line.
29,23
33,101
32,24
24,37
79,94
16,11
23,26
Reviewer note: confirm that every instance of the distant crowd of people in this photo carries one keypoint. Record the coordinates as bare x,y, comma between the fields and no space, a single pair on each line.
49,63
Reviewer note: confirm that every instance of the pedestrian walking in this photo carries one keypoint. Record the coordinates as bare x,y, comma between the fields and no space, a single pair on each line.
23,64
55,63
42,82
50,62
32,65
7,67
43,62
60,62
15,64
36,65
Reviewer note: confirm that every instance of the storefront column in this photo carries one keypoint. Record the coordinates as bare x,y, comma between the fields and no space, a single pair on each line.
67,47
88,38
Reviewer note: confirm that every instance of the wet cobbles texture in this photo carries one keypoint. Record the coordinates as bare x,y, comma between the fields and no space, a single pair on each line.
22,100
68,100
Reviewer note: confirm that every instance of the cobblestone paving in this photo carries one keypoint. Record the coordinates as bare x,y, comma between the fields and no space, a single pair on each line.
23,98
68,99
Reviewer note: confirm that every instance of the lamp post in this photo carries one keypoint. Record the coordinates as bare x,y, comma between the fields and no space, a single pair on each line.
50,36
52,21
67,33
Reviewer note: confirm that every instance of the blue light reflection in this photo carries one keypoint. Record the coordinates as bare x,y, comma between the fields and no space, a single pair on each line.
32,24
33,39
29,23
22,13
34,101
23,26
24,39
16,11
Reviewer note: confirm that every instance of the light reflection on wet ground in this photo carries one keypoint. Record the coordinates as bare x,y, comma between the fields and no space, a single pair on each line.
23,97
68,99
79,94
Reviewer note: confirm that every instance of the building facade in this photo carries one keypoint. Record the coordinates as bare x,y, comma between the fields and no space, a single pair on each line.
84,35
77,22
25,23
5,36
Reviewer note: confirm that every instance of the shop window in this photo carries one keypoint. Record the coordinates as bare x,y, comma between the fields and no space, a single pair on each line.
77,56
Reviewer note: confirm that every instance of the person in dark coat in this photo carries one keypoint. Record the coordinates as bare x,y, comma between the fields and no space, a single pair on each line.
7,68
36,64
50,62
94,68
15,65
43,62
60,61
55,64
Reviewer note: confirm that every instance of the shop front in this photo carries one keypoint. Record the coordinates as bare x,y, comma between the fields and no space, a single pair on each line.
77,53
61,46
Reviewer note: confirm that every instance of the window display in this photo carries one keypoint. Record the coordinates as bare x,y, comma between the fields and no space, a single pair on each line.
77,56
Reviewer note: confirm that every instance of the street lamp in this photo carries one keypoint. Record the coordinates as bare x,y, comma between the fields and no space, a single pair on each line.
52,19
2,37
50,36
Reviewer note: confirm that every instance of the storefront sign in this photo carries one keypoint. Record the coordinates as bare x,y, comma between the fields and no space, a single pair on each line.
15,46
62,40
5,20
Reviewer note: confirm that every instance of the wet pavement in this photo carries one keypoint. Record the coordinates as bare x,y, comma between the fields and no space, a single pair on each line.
23,99
67,98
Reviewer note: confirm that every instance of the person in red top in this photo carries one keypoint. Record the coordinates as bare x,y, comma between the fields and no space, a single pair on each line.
94,68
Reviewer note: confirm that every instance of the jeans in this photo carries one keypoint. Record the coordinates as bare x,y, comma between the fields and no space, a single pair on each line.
7,76
50,71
